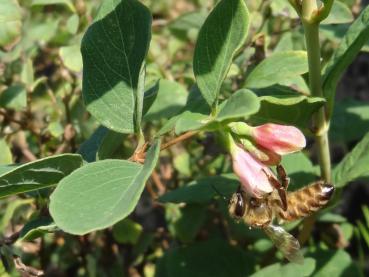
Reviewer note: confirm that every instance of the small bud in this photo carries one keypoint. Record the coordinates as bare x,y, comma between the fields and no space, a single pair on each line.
280,139
252,173
240,128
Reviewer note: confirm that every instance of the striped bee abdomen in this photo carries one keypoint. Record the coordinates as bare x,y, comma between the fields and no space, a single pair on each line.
305,201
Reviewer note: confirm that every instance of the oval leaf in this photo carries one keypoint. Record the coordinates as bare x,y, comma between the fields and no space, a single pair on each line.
289,110
100,194
279,67
113,51
241,104
339,14
38,174
223,33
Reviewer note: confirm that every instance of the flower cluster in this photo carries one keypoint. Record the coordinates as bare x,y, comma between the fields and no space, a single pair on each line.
260,147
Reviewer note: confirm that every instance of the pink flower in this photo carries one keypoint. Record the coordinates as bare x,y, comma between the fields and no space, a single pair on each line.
252,173
280,139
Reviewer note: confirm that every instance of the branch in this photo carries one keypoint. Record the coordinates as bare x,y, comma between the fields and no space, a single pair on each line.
140,153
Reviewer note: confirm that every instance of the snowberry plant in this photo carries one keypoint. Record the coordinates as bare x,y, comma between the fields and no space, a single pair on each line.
257,116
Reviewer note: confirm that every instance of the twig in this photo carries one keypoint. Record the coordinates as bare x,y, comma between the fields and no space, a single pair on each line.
11,119
158,183
23,146
140,153
10,239
178,139
26,271
69,134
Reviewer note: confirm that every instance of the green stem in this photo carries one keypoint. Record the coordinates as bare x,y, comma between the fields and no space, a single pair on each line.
320,125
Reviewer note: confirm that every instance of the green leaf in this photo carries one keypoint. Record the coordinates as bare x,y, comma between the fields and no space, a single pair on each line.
289,110
278,67
28,73
6,156
127,231
202,191
187,23
6,168
365,210
89,148
149,98
197,104
73,24
349,115
113,50
288,270
300,170
331,218
364,232
182,163
354,165
56,129
14,97
10,22
37,228
339,14
38,174
189,121
101,145
67,3
223,33
170,99
334,263
356,37
241,104
100,194
214,258
71,57
10,210
186,222
282,7
109,145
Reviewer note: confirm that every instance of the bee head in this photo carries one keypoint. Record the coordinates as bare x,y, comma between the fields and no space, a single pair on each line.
237,205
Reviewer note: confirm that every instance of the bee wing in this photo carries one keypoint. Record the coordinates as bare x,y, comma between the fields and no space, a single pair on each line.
285,242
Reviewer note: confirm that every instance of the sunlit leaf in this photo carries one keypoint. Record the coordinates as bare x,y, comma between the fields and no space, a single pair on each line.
278,67
222,34
100,194
113,50
38,174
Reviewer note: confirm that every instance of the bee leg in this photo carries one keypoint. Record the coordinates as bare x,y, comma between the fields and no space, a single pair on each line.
280,188
282,175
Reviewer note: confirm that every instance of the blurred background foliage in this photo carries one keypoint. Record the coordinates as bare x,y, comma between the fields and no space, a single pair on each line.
42,114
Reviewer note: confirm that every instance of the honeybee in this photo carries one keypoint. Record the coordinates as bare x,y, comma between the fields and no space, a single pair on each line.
278,207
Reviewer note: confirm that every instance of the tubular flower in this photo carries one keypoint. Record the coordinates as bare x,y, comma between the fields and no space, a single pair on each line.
251,172
280,139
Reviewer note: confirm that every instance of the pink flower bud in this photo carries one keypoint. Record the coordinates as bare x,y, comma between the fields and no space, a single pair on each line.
252,173
263,155
280,139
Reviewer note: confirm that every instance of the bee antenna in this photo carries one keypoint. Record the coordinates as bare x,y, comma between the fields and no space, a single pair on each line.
218,192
